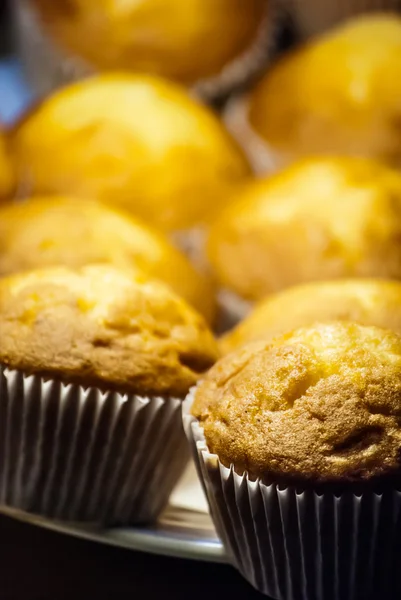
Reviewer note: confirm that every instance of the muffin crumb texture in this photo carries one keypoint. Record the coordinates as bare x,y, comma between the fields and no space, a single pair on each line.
318,405
99,326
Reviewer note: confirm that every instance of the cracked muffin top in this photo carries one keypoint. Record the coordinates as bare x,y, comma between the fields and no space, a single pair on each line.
319,219
72,232
364,301
104,327
319,405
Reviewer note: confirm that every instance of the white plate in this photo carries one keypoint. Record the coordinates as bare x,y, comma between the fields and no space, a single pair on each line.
184,530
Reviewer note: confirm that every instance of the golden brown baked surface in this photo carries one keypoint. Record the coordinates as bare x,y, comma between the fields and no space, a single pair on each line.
180,39
55,230
7,174
364,301
339,94
321,404
319,219
104,327
135,142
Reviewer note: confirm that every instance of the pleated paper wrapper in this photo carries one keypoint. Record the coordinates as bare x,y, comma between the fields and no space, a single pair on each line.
263,159
301,545
312,17
49,66
78,454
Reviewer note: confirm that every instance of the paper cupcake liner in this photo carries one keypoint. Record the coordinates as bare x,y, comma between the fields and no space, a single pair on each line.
261,157
301,545
244,69
46,66
49,66
78,454
231,310
312,17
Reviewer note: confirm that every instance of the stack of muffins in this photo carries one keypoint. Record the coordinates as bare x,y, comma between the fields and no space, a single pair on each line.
137,225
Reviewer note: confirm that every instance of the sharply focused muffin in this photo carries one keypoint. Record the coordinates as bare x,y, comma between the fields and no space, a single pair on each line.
134,142
319,219
103,327
52,231
298,441
320,404
94,365
364,301
7,175
337,94
187,40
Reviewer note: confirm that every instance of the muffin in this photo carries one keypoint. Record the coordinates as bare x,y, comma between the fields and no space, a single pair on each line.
364,301
210,44
7,175
56,230
320,219
298,444
134,142
337,94
94,365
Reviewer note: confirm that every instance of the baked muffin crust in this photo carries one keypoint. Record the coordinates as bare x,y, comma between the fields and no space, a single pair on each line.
320,404
104,327
364,301
73,232
319,219
185,40
337,94
134,142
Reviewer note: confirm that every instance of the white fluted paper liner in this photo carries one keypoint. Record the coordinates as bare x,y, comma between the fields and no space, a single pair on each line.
79,454
293,545
48,66
232,309
262,158
247,67
312,17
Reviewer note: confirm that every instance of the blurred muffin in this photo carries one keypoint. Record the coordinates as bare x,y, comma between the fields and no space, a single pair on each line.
55,230
7,175
74,341
277,428
189,41
364,301
319,219
134,142
337,94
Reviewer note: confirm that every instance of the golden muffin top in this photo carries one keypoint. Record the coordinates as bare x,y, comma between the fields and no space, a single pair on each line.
321,404
132,141
180,39
7,174
103,327
56,230
364,301
338,94
319,219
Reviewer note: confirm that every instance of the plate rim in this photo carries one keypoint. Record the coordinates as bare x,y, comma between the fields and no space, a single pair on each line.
151,541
